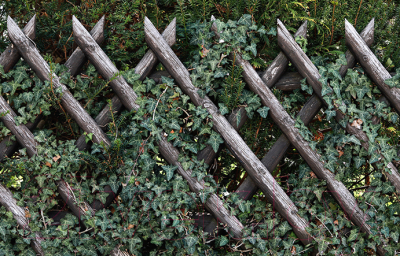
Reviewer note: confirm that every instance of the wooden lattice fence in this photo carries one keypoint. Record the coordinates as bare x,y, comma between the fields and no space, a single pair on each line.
258,170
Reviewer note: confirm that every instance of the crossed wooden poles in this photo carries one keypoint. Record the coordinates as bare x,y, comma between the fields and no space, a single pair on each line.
125,96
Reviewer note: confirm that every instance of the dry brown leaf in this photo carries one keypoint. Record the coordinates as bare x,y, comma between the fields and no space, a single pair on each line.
137,183
312,174
55,159
112,209
131,226
336,222
172,131
293,251
204,52
357,123
48,164
340,153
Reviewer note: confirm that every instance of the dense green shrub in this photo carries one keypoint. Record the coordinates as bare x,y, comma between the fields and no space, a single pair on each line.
153,213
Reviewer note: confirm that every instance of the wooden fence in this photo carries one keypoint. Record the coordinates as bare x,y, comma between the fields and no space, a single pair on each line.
258,170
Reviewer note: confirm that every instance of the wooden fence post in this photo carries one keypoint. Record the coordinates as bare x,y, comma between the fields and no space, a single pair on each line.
32,56
307,69
170,153
250,162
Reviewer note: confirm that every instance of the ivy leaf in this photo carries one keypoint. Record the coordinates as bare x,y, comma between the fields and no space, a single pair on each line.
245,20
252,48
272,31
130,76
174,124
358,161
330,113
263,111
353,139
223,109
374,158
201,93
215,140
325,90
169,170
190,241
103,223
305,87
223,241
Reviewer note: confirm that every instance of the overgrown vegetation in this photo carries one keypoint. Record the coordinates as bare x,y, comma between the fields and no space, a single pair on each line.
154,212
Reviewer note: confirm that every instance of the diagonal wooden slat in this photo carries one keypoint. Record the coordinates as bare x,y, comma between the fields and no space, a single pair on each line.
32,56
106,68
370,63
74,64
286,124
11,56
250,162
10,203
77,60
143,68
307,69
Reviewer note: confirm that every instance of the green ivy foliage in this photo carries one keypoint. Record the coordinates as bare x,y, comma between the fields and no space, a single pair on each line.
153,213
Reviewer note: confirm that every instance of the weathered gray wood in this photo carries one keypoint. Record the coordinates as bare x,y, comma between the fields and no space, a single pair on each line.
32,56
103,64
21,132
307,69
280,63
250,162
9,202
107,70
146,64
370,63
68,195
74,64
78,58
289,81
9,150
208,154
286,124
11,56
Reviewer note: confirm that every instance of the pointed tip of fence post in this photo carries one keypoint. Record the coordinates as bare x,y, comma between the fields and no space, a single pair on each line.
212,18
30,28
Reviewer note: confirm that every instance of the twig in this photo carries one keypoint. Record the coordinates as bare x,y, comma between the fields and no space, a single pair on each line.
322,223
158,101
44,222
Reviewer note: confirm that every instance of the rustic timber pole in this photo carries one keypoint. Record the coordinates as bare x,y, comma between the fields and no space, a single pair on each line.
9,202
74,64
371,65
286,124
143,68
11,56
250,162
307,69
107,69
32,56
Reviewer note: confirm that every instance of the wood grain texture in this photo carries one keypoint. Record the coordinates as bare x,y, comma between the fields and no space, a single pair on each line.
103,64
289,81
9,202
286,124
278,67
214,204
74,64
68,195
11,56
32,56
146,64
21,132
307,69
250,162
9,150
370,63
78,58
